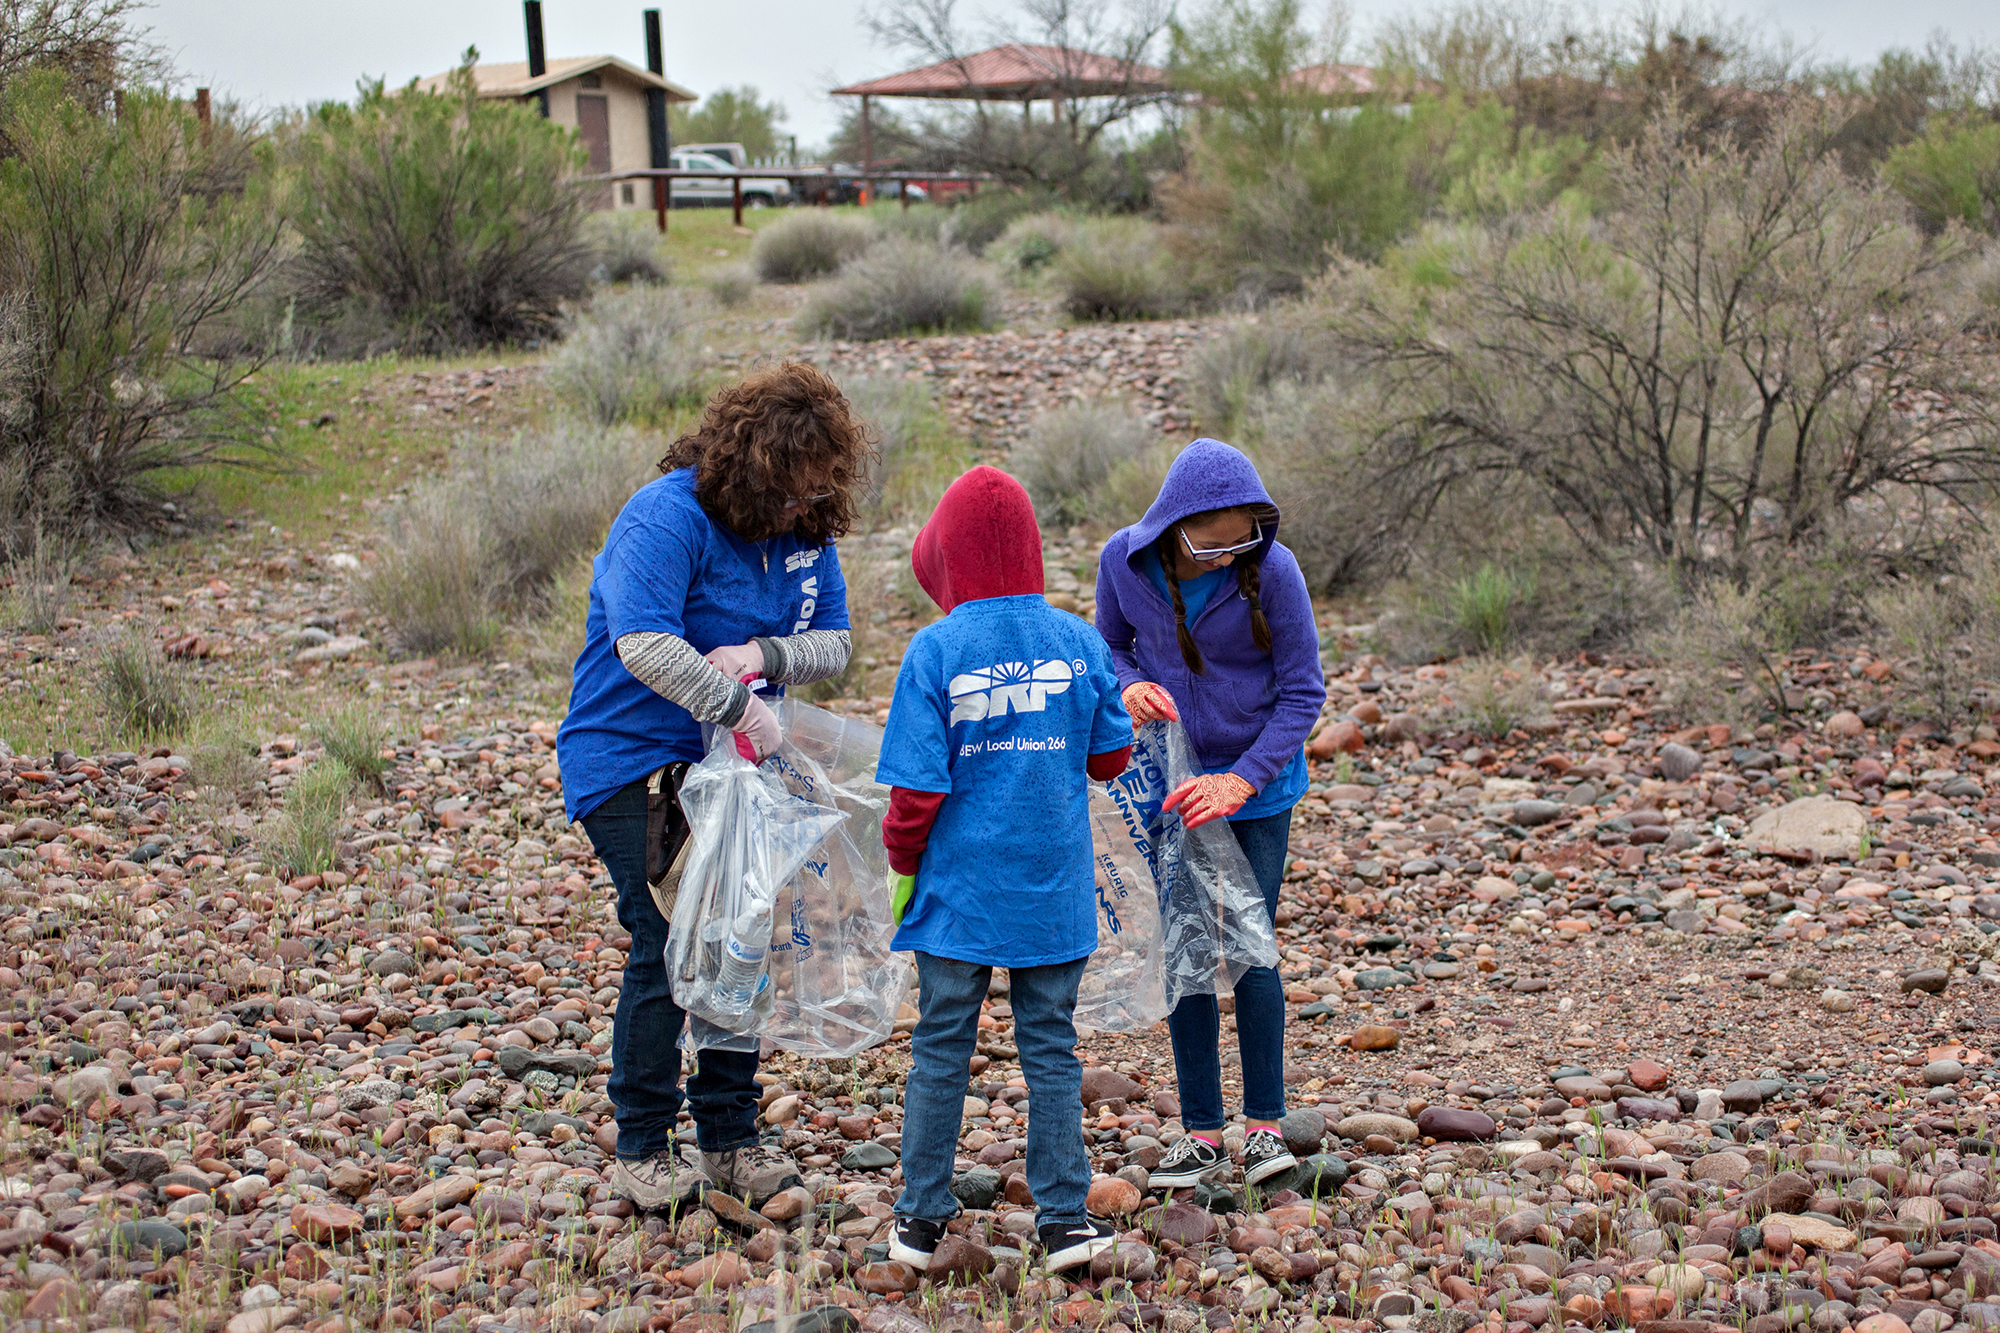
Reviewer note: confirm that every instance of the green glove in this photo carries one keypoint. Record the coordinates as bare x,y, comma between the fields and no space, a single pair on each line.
902,888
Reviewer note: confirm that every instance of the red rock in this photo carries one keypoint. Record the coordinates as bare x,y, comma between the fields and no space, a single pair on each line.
1844,725
1105,1085
56,1297
1335,738
1634,1303
887,1278
1367,712
1883,1322
1374,1037
1184,1224
960,1258
718,1270
1111,1197
1646,1075
1453,1124
303,1263
324,1222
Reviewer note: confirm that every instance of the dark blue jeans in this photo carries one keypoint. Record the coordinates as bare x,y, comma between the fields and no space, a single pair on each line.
1044,1000
1196,1026
645,1083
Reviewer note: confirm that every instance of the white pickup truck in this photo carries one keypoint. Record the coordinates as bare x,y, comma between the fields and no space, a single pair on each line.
758,191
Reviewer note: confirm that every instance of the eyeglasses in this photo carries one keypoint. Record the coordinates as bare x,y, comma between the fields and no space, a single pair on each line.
1217,552
801,501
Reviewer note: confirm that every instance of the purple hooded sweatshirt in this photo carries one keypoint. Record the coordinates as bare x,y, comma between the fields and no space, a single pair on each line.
1250,711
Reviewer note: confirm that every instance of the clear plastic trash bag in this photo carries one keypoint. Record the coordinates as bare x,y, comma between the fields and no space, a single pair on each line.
834,984
1212,921
1122,989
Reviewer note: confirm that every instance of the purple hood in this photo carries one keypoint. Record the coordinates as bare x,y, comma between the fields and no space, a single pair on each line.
1249,710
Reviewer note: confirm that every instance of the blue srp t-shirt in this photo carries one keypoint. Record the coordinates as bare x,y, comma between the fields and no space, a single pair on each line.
668,568
999,705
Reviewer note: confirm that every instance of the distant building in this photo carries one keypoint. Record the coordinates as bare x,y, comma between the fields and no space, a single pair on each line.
600,97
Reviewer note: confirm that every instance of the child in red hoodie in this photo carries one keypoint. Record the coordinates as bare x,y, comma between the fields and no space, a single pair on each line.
1004,712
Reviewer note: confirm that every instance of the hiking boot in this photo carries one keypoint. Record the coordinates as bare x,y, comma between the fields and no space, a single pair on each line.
1187,1163
1066,1245
655,1183
915,1241
753,1172
1265,1155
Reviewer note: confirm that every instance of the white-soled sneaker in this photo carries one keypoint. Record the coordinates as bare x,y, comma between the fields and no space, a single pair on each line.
1066,1246
1187,1163
1265,1155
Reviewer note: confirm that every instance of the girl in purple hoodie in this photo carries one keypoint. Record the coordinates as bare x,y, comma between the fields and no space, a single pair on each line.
1210,624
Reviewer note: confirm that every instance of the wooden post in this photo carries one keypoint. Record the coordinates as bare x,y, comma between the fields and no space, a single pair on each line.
203,114
660,202
867,148
736,197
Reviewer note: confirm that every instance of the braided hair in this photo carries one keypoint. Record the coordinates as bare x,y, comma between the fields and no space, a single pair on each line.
1247,582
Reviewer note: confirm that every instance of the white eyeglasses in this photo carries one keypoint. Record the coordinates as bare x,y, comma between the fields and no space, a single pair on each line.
1217,552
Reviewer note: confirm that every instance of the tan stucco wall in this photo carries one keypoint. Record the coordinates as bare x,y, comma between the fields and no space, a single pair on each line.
631,148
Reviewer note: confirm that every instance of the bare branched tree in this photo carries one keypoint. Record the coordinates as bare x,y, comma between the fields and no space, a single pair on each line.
1747,347
92,43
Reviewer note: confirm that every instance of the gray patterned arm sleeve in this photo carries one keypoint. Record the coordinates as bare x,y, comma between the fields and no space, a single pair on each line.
669,666
800,659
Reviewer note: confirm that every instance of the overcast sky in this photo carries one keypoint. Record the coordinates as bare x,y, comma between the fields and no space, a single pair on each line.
793,50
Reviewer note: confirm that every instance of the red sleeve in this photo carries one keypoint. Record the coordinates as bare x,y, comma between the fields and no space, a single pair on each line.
906,829
1106,766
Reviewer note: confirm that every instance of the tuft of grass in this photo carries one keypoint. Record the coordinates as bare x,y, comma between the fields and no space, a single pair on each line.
807,244
433,580
44,575
1090,463
1232,377
1031,244
225,764
1116,268
731,285
355,736
901,286
1484,605
1491,697
145,695
305,837
635,355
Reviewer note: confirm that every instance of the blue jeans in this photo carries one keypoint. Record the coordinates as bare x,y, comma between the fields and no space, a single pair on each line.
1196,1027
645,1082
1044,1000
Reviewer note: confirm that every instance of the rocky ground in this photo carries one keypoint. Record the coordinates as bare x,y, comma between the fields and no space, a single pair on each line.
1608,1021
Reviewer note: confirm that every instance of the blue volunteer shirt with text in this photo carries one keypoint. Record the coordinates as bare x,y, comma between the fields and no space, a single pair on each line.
668,568
999,705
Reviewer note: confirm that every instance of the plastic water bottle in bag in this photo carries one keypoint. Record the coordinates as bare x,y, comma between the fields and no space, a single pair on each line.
742,978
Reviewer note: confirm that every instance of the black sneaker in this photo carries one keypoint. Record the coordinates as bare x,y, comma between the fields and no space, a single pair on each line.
1265,1155
1186,1163
915,1241
1065,1245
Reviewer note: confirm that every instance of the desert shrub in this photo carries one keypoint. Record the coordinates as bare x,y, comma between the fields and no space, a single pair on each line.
633,355
1484,606
1032,242
553,637
145,695
627,248
1721,658
1117,268
1492,696
354,736
447,219
978,222
1090,463
805,244
1235,373
919,222
129,240
305,837
731,284
490,538
1952,174
917,453
898,287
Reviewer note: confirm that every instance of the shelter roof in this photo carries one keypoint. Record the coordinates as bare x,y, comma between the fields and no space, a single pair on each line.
510,78
1015,72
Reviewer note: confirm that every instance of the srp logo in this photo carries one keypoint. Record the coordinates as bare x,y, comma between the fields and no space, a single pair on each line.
1022,687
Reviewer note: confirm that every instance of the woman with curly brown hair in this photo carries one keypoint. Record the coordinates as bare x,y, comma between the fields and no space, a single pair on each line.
718,573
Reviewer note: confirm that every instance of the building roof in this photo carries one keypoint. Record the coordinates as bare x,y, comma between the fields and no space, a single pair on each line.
510,78
1352,81
1018,71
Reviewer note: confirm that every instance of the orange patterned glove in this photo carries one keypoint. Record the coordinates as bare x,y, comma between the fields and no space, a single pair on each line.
1211,796
1147,702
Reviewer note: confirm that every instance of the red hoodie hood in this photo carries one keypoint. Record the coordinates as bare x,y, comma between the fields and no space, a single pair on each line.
981,541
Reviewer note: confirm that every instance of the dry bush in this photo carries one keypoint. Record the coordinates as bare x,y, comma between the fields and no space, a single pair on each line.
226,771
731,285
44,575
807,244
917,453
627,248
898,287
634,355
1118,268
489,539
885,606
1233,376
1491,696
1090,463
1031,244
553,638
